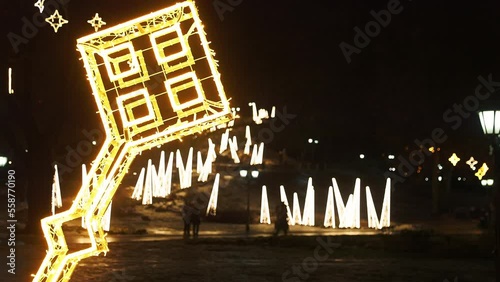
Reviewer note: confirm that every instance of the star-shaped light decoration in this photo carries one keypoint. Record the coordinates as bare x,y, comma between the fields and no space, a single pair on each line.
56,21
454,159
472,163
40,5
96,22
482,171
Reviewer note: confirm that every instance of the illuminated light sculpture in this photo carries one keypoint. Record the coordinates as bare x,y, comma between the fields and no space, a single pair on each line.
40,4
56,21
139,186
136,114
96,22
255,155
10,90
161,191
235,143
212,203
207,166
385,216
260,154
472,163
248,142
454,159
56,192
199,163
349,214
185,171
330,210
482,171
284,199
233,150
224,141
273,112
297,219
309,215
147,197
265,216
106,219
168,174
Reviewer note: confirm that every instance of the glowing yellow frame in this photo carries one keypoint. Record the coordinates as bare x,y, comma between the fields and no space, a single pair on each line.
117,95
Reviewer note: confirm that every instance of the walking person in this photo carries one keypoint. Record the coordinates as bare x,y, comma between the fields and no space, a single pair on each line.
281,223
195,220
186,213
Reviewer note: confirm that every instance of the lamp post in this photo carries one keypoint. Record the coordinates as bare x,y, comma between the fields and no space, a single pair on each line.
249,175
490,122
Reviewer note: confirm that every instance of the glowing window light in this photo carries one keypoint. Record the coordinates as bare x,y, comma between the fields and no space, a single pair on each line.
40,4
212,203
56,192
309,215
173,92
56,21
265,216
11,90
330,210
284,199
472,163
3,161
454,159
178,39
297,218
96,22
129,121
482,171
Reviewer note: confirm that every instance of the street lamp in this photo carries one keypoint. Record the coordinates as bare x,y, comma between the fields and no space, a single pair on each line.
249,175
490,122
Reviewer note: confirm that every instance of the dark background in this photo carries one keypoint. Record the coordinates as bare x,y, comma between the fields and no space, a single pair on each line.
276,53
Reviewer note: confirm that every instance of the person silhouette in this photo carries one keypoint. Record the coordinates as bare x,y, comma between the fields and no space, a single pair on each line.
281,223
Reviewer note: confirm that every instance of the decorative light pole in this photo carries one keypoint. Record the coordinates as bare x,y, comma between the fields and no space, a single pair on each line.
249,175
490,122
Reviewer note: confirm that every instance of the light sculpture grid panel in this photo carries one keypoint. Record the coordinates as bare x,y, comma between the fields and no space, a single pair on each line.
165,57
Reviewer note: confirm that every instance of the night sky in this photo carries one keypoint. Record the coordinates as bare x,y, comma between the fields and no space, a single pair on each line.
286,53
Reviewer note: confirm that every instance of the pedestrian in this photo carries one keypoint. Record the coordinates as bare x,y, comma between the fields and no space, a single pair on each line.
195,219
186,213
281,223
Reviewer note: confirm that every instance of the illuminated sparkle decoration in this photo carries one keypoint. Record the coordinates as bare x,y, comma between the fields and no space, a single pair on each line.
96,22
482,171
454,159
56,21
40,4
265,216
137,115
472,163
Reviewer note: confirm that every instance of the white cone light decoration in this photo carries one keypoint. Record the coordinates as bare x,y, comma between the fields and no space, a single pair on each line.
265,216
56,192
385,220
297,218
308,217
330,210
139,186
285,200
212,203
147,197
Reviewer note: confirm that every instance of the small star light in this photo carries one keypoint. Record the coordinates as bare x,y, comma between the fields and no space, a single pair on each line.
472,163
454,159
56,21
482,171
40,5
96,22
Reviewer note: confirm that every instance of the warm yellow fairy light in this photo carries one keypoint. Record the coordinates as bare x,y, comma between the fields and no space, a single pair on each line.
56,21
482,171
472,163
96,22
136,114
454,159
40,5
